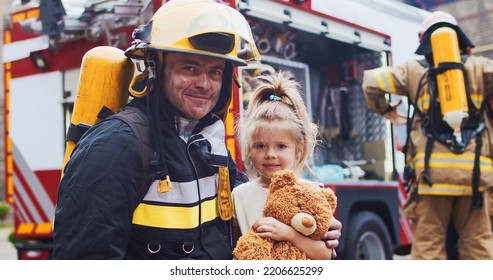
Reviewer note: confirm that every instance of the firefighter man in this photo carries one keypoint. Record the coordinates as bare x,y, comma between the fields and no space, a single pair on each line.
448,162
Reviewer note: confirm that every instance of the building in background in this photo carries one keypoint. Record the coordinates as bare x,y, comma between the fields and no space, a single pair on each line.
427,4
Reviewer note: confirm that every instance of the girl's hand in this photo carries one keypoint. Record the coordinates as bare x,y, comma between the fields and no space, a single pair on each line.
271,228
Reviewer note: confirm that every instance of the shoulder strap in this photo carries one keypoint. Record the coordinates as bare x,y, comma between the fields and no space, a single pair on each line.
138,122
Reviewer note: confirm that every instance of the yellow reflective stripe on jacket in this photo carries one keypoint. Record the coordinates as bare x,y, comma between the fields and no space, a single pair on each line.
384,79
174,217
446,189
446,164
450,160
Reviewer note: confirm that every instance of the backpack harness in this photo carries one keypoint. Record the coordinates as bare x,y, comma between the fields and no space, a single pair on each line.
436,129
138,122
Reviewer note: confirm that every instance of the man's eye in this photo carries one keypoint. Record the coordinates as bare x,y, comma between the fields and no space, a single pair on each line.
217,72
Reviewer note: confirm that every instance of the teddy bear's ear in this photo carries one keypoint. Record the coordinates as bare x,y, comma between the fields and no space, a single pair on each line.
282,178
331,197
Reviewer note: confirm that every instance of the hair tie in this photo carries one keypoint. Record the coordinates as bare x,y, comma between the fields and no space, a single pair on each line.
272,97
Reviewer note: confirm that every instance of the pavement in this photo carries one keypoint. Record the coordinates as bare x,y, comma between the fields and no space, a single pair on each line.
7,249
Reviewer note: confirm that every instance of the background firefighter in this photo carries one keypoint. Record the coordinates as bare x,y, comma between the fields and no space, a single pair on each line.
449,179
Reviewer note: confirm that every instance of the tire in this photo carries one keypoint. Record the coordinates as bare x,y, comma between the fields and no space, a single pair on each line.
368,238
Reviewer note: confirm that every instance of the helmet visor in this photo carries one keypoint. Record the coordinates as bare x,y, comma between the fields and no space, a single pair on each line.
213,42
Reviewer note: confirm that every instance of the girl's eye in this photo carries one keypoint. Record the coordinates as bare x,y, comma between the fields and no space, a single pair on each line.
259,146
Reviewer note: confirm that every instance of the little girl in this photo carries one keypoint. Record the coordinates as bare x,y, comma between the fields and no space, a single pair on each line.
276,133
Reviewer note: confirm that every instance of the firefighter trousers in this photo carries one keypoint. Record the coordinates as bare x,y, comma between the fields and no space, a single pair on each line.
431,215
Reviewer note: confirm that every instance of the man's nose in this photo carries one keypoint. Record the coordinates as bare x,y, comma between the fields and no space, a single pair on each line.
202,81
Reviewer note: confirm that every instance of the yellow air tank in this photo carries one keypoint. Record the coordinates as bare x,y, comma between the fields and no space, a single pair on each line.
104,78
450,83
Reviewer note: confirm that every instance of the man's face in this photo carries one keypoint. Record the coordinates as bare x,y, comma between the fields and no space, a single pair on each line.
192,83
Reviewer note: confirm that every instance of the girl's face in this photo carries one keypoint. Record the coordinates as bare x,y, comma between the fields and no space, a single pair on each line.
272,149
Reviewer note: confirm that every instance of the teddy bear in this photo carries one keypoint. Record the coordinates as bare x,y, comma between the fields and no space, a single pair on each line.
304,205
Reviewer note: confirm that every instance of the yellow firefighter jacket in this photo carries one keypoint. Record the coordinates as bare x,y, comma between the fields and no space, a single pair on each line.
451,173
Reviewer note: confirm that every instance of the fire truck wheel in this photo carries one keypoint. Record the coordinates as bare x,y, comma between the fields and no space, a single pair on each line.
368,238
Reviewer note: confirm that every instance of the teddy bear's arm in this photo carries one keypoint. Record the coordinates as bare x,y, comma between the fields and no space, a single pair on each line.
250,246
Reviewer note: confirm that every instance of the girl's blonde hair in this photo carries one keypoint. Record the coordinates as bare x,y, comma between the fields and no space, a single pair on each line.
277,102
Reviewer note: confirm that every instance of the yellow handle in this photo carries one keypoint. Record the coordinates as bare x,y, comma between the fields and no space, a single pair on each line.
224,199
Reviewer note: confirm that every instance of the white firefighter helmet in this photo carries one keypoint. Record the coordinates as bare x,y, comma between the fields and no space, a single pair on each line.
434,18
202,27
434,21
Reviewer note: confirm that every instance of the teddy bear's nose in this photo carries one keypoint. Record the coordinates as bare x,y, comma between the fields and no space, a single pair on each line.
304,223
307,222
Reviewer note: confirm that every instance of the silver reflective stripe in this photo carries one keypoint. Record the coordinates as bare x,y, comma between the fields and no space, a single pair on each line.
383,80
184,192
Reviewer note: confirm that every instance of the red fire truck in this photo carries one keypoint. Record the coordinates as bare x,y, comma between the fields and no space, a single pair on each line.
325,44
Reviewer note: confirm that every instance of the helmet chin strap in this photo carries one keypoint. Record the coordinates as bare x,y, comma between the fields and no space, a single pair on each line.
151,66
144,83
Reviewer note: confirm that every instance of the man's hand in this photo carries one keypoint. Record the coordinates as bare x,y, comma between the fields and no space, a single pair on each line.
332,236
395,117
